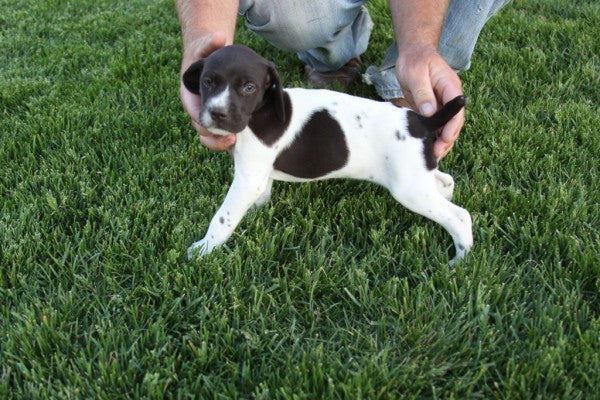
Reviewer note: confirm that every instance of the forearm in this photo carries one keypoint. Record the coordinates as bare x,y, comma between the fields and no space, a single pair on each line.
418,23
199,18
426,79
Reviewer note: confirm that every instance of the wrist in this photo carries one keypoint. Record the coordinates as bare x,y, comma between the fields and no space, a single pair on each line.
416,52
417,41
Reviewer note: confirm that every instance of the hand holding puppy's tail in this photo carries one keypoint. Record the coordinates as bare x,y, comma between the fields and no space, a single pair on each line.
426,127
445,114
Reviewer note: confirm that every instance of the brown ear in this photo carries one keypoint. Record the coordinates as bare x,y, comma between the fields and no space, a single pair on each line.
191,76
277,92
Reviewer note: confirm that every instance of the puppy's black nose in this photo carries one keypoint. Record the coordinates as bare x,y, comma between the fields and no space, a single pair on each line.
218,115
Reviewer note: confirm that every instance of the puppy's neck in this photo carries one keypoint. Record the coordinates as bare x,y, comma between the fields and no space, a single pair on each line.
263,124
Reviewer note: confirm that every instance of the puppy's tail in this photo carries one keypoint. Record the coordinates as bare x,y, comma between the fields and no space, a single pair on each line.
425,127
444,115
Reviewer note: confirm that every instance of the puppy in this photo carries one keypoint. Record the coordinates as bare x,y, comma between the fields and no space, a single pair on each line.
299,135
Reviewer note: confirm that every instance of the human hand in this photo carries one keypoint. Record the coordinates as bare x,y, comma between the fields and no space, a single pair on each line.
200,48
428,82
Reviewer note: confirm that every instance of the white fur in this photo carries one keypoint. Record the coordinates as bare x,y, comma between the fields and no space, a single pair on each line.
376,154
218,102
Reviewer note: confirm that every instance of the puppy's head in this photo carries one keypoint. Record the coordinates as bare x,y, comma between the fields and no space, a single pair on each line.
233,83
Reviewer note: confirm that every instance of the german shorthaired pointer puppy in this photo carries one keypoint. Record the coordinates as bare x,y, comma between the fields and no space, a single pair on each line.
298,135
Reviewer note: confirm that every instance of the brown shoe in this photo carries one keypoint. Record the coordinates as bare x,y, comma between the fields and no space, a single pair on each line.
343,76
400,102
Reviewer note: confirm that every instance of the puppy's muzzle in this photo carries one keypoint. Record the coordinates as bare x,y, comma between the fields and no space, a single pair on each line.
221,121
218,115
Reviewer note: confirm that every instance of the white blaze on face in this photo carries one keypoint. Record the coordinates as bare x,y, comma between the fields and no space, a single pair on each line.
217,102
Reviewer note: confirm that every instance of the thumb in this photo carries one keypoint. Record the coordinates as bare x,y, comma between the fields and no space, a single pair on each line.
213,42
203,46
424,97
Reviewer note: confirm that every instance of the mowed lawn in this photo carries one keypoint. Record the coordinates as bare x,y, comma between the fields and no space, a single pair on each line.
331,290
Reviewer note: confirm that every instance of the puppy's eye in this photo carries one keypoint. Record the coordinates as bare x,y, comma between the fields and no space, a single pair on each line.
207,82
249,88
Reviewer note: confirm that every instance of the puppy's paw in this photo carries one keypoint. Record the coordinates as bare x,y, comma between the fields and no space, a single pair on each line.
456,260
461,252
199,248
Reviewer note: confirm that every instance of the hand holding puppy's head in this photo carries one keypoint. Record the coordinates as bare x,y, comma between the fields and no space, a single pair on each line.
233,83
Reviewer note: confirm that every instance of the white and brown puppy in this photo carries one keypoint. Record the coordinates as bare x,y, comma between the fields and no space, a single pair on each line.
300,135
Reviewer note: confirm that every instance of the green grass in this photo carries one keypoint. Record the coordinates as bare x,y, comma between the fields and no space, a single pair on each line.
332,290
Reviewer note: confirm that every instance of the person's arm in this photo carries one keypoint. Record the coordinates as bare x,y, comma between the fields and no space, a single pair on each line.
427,81
206,25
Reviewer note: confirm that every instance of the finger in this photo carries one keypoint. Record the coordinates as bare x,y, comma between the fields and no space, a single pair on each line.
424,100
448,136
202,131
447,85
446,140
420,87
218,143
445,152
192,103
419,93
213,142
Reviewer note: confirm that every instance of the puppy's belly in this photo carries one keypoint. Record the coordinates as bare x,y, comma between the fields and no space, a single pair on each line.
371,171
378,161
282,176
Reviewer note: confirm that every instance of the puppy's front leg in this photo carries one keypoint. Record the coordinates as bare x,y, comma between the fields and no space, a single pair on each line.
242,194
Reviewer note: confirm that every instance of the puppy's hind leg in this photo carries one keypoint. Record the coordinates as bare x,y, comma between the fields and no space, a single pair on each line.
423,197
445,184
266,196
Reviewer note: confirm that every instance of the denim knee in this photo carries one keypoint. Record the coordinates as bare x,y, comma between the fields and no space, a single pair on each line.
295,26
463,25
298,26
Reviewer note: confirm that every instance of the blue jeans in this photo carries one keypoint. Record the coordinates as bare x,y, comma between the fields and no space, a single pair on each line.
328,33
